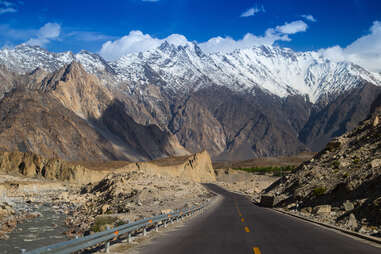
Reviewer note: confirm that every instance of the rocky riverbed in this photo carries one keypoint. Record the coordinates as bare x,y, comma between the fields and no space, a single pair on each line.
36,212
31,217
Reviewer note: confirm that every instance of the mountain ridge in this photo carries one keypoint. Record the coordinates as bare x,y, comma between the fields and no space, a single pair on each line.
217,102
279,71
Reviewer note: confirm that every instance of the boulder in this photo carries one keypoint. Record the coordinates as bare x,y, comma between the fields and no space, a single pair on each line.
348,206
375,163
352,222
292,206
376,121
166,211
322,209
306,210
3,236
105,208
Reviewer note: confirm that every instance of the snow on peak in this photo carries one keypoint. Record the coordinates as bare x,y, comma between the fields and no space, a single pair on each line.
181,66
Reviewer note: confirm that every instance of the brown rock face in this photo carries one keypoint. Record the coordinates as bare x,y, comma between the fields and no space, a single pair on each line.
197,167
32,165
37,122
78,91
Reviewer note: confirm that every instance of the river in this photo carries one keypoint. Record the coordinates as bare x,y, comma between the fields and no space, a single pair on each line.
46,229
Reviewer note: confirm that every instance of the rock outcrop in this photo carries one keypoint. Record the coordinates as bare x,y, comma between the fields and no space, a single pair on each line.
33,165
197,168
345,175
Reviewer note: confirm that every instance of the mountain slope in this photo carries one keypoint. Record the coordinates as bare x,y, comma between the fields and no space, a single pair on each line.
262,101
71,115
345,175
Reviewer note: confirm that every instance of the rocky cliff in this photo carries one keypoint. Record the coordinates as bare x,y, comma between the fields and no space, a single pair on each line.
197,168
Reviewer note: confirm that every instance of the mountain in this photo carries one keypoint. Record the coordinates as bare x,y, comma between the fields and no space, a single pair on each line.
261,101
278,71
70,115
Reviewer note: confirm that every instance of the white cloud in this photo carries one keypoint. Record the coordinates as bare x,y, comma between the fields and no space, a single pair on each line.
45,34
228,44
279,33
365,51
9,33
7,7
7,10
252,11
137,41
293,27
6,3
309,17
88,36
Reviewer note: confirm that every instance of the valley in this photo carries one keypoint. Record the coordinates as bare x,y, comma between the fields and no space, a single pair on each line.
88,144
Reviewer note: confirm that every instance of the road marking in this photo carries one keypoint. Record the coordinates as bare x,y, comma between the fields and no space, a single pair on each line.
242,220
256,250
239,212
247,229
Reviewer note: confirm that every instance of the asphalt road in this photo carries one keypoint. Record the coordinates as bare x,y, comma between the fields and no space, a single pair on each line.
237,226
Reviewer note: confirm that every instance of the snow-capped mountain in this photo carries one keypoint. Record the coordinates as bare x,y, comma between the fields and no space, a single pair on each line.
278,71
236,105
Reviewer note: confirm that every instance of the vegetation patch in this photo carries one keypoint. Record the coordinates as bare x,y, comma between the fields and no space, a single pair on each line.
101,222
319,191
276,171
336,164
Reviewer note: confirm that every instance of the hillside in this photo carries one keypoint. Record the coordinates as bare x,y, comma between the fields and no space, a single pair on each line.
346,176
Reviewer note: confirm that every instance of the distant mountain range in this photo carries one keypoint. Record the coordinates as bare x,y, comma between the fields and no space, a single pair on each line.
262,101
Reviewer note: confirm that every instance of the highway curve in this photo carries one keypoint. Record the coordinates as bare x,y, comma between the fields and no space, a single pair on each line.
238,226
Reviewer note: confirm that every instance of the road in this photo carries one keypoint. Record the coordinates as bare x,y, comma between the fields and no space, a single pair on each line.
238,226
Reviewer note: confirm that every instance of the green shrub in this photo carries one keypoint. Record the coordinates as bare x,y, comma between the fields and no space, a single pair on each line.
101,222
277,171
336,164
319,191
356,160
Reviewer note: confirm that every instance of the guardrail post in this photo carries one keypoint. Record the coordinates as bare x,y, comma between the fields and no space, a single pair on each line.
129,238
165,224
157,227
144,231
107,245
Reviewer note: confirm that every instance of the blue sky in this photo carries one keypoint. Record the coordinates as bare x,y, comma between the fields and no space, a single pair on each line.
81,24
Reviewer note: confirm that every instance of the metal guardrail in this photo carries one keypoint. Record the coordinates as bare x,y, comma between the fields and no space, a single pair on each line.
110,234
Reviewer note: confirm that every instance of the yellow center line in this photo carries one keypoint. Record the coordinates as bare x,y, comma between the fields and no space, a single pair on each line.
239,212
242,220
256,250
247,229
